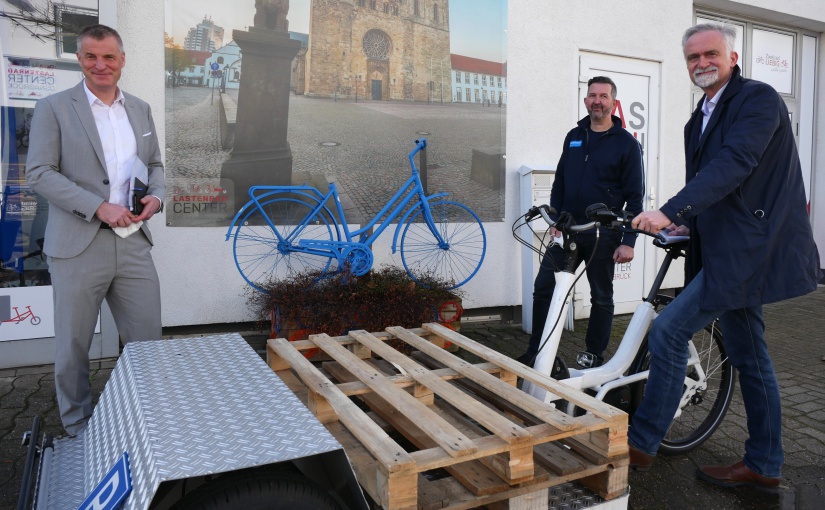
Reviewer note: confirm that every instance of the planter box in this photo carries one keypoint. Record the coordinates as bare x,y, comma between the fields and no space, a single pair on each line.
288,324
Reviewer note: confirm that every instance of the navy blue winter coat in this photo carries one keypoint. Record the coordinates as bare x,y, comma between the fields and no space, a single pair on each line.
745,201
607,171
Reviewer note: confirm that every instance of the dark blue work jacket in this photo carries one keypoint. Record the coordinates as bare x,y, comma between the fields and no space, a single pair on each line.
606,170
745,199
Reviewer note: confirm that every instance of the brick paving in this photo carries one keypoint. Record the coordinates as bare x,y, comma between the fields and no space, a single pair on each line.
795,336
368,164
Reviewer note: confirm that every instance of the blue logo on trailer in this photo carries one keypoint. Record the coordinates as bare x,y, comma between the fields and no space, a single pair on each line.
113,489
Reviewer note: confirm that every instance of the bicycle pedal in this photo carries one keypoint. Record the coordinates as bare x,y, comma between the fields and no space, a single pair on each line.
560,370
586,359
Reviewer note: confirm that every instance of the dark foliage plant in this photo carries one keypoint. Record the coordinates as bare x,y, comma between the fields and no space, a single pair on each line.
335,304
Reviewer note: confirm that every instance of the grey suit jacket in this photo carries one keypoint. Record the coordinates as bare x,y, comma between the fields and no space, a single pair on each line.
66,165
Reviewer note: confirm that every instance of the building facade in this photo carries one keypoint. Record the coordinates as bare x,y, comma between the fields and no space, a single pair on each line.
205,36
398,50
478,81
553,49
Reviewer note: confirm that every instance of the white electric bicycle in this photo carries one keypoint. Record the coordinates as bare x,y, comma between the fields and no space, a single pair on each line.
710,378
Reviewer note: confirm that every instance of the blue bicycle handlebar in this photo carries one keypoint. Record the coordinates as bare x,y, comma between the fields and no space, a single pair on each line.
421,143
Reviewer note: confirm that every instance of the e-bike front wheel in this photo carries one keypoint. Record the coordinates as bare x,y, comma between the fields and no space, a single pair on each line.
707,406
261,256
458,258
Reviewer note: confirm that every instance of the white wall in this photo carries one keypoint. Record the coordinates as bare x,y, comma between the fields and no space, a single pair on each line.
199,281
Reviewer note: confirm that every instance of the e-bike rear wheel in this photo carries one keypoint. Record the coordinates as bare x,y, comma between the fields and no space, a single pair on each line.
707,407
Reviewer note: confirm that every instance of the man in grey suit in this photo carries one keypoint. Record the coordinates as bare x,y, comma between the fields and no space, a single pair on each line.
85,144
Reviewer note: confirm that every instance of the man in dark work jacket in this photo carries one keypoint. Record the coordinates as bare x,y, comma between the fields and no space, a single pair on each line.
600,163
751,244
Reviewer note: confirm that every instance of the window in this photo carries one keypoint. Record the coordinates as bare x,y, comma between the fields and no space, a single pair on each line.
458,76
484,79
435,13
458,95
386,8
372,4
220,60
361,3
69,21
499,82
395,10
467,90
466,77
475,78
416,9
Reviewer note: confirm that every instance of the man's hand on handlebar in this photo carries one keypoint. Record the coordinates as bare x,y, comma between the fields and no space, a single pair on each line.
554,232
677,230
623,254
651,221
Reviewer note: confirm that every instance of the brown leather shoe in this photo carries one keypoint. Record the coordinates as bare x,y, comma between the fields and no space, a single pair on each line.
639,460
737,475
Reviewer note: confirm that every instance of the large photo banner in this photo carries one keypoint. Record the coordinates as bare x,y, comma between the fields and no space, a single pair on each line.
277,92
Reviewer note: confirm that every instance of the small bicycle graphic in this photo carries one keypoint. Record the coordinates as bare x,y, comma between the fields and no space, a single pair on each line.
20,317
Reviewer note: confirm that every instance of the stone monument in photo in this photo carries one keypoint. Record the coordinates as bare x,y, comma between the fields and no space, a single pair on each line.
261,154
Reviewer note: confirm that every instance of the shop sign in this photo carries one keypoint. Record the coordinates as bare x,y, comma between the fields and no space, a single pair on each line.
35,79
199,202
26,312
772,59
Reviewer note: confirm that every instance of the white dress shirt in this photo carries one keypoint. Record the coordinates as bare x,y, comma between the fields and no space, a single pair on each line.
710,104
119,145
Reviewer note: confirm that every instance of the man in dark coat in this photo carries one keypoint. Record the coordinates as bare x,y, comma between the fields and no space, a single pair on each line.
601,162
751,244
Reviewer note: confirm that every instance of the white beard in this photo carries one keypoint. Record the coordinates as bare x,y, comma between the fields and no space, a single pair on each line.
705,79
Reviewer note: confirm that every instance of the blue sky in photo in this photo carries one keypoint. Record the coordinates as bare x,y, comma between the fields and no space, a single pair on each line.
476,26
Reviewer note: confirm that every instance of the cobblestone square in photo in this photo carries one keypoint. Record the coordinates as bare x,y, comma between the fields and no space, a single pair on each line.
362,147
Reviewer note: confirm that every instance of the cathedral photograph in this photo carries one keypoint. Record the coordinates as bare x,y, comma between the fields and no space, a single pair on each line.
276,92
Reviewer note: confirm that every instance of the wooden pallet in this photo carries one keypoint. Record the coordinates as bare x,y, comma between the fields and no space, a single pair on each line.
491,443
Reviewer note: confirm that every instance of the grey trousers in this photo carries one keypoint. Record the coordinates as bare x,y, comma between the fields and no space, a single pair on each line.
120,270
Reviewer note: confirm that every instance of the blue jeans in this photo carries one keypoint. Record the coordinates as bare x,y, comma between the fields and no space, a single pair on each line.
600,277
743,333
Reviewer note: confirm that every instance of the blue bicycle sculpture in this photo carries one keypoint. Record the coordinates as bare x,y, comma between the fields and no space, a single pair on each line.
285,230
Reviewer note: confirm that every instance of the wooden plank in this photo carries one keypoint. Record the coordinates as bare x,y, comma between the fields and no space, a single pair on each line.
496,423
609,484
404,381
514,466
346,340
378,484
475,476
597,407
558,459
445,435
379,444
544,411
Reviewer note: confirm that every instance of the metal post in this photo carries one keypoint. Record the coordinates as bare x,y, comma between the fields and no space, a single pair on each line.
356,88
422,168
441,66
335,96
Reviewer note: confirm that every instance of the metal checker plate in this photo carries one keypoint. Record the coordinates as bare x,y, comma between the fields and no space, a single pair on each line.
195,406
65,483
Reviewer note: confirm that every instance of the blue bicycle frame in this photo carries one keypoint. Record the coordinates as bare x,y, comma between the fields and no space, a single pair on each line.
338,249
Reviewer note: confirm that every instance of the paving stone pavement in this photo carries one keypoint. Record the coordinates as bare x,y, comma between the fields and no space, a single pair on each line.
368,162
795,337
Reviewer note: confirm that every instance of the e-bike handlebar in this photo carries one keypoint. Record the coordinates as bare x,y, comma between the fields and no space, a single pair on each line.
601,216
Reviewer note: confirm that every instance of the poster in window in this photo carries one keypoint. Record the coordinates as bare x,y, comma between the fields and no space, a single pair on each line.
772,59
345,106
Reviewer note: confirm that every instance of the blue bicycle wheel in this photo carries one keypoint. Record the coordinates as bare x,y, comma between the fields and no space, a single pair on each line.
261,256
458,258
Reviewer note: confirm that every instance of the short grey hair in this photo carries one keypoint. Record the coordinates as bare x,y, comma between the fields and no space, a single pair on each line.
727,31
98,33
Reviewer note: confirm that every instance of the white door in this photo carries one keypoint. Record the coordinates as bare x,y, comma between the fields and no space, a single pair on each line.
637,84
